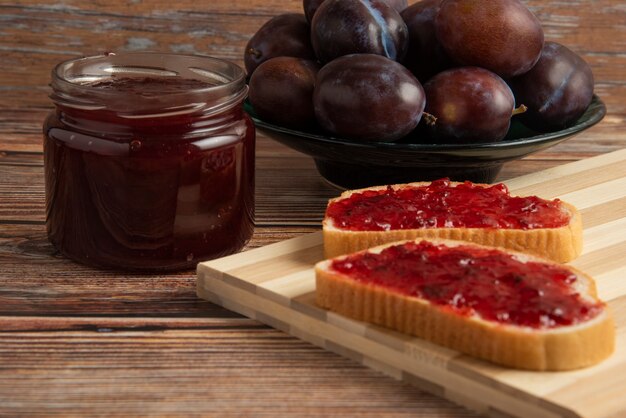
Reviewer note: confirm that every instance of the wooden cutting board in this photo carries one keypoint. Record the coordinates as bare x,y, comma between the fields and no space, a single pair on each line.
276,285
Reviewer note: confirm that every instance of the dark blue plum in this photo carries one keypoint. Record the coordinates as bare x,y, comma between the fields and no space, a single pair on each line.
281,91
367,97
425,56
503,36
311,6
286,35
343,27
557,90
470,105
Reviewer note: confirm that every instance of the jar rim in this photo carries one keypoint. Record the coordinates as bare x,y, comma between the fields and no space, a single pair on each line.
72,81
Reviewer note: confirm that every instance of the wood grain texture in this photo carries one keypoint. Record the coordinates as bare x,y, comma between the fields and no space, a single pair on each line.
76,341
199,367
276,285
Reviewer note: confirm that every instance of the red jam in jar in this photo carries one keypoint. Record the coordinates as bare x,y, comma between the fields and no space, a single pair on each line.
469,280
441,204
149,161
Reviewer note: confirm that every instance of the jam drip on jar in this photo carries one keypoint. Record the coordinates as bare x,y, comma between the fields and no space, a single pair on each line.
442,205
467,280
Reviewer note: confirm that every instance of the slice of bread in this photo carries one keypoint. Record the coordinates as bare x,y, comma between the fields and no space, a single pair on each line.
570,345
560,244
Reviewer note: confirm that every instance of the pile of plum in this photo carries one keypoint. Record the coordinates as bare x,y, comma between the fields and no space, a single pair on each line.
376,70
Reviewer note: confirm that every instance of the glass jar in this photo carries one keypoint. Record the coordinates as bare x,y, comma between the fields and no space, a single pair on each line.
149,161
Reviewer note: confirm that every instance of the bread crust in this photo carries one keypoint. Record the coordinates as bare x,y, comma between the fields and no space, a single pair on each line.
557,244
562,348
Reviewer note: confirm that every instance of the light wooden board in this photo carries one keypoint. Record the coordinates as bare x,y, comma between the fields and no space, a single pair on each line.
276,285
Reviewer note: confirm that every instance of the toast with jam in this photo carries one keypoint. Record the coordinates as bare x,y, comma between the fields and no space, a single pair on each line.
506,307
480,213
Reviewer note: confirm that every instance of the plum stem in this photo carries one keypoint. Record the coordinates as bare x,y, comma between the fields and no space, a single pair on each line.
519,110
429,118
254,52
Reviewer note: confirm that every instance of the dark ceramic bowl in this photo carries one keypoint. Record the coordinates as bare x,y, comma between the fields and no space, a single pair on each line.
350,164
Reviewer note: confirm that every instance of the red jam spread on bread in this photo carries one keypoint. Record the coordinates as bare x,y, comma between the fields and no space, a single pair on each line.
443,205
470,280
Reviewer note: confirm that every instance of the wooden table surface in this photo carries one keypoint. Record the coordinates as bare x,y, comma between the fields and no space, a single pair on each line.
75,341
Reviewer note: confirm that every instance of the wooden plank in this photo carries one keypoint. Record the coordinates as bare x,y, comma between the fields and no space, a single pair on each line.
102,356
277,284
135,367
569,177
355,346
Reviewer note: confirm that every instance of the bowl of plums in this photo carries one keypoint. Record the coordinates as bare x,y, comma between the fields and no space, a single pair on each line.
381,92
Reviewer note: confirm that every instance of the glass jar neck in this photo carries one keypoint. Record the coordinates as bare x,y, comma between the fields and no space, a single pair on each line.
106,124
126,94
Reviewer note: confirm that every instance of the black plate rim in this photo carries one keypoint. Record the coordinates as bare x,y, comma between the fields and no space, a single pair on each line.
597,110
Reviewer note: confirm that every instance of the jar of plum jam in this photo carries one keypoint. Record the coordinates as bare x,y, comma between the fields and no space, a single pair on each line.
149,161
